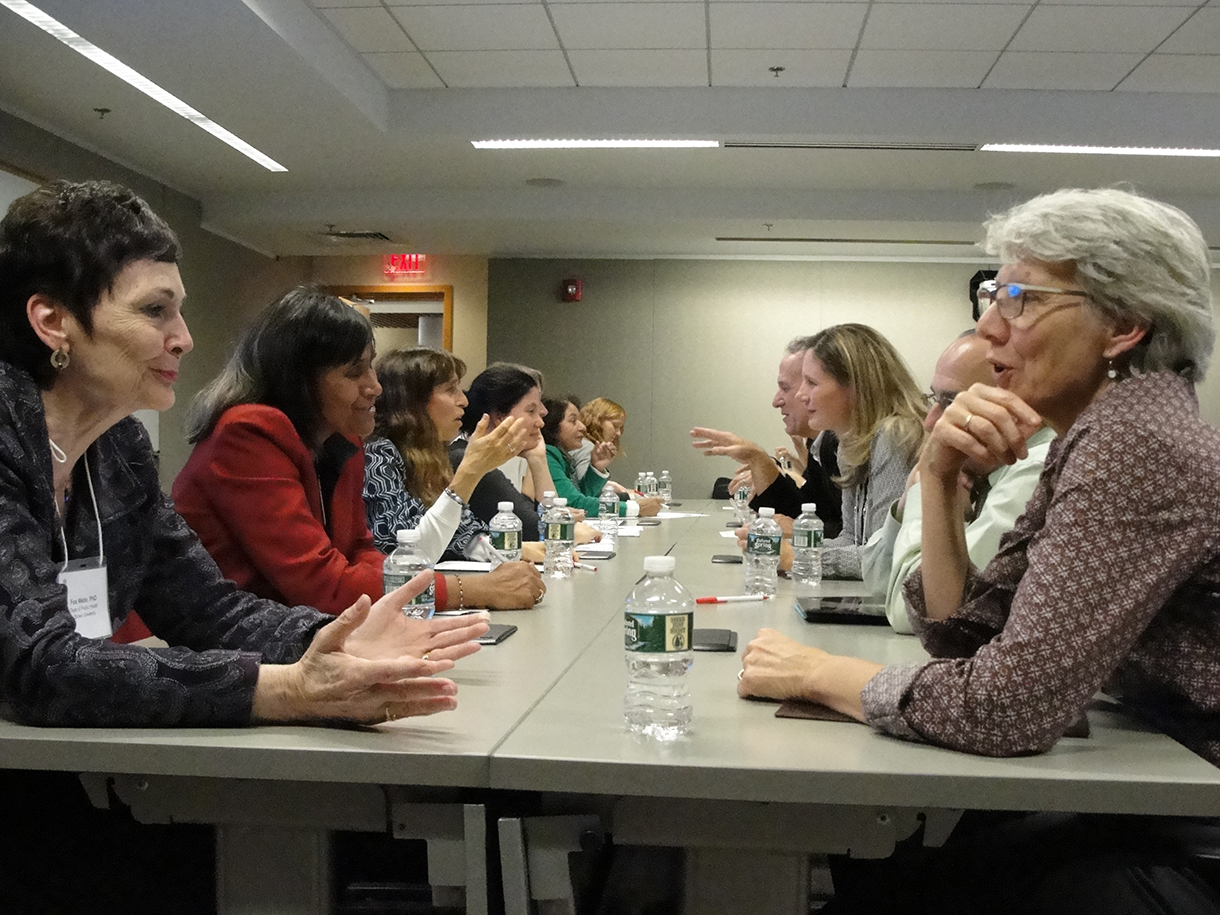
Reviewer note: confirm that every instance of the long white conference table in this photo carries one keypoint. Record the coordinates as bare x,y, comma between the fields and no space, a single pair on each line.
537,750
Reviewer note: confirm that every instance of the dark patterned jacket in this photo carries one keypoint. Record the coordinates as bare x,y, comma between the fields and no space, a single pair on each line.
49,674
1110,579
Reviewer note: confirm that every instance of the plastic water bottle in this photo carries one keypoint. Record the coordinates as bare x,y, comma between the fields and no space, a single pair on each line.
607,516
506,532
650,485
641,483
807,546
762,553
401,566
548,499
560,535
741,504
665,488
659,624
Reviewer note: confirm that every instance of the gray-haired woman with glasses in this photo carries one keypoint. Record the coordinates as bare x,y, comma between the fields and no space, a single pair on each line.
1099,324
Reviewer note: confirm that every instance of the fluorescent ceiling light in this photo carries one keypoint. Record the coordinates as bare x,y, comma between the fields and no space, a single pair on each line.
1099,150
106,61
593,144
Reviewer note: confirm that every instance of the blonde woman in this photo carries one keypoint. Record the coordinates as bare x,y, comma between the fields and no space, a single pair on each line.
604,422
853,383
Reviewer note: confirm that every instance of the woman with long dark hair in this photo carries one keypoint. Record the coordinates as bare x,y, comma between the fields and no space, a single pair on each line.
408,480
273,487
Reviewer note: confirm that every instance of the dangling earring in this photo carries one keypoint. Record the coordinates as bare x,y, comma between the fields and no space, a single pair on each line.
1111,371
60,359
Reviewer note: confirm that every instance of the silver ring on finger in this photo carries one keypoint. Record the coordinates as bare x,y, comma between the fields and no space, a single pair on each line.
389,716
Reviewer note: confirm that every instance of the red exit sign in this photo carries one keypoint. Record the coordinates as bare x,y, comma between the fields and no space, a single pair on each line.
404,264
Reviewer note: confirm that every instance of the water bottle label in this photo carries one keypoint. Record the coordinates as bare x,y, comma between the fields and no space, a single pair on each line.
506,540
763,544
658,633
556,530
392,580
426,599
806,539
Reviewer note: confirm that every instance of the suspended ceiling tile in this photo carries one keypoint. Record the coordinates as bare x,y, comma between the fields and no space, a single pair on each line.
1200,35
628,26
640,68
942,26
785,25
502,69
483,27
1116,29
801,68
920,69
1046,70
369,30
403,71
1175,73
332,4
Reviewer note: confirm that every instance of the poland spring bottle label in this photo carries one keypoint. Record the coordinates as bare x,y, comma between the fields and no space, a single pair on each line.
804,539
658,633
761,544
423,604
506,540
561,531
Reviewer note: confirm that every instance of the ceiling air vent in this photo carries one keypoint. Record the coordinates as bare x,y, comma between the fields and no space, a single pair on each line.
337,235
853,144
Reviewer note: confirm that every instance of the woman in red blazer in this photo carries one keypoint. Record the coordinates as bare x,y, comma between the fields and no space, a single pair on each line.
273,487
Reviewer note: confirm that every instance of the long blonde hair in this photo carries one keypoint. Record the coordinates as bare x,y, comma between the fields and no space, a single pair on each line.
597,411
885,397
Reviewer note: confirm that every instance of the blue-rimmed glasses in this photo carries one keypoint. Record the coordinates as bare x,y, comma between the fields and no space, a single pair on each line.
1009,298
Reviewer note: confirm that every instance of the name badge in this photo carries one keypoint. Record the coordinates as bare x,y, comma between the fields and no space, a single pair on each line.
88,598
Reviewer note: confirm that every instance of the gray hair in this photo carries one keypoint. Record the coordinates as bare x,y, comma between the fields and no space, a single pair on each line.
1137,259
798,345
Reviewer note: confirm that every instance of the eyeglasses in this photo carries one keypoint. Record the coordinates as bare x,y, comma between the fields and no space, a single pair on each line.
1009,298
944,399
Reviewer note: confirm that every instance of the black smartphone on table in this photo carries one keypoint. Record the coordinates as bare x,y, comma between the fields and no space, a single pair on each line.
859,611
496,634
733,559
714,640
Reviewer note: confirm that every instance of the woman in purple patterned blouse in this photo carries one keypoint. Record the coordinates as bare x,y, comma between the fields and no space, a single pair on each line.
1100,324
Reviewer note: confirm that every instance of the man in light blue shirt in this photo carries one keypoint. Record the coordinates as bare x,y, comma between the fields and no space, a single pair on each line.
999,493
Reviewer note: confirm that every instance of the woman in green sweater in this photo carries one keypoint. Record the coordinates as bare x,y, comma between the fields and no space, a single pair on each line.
563,431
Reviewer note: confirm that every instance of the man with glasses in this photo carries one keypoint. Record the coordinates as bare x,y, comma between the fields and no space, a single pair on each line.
992,497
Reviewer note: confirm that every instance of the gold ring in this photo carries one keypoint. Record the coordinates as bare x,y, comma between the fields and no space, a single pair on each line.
966,424
425,654
388,716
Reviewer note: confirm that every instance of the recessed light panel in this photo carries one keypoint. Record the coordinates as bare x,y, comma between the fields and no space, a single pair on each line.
594,144
109,62
1099,150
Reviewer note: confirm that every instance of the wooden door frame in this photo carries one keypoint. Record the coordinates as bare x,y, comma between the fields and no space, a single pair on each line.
407,293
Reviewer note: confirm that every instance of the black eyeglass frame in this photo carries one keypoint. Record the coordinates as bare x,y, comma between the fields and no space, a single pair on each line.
988,293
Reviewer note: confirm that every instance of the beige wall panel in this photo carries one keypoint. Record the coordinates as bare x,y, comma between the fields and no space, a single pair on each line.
467,275
698,342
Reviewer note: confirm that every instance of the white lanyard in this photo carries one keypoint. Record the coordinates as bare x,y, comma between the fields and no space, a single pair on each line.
101,554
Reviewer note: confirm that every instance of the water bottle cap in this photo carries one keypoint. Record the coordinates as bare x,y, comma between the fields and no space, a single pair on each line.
408,536
548,494
766,512
504,506
561,502
811,507
660,565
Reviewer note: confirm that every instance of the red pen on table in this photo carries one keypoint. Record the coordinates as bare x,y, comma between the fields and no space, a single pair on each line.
733,599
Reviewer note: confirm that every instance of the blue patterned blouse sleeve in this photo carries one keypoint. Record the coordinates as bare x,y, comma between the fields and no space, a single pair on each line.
390,508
